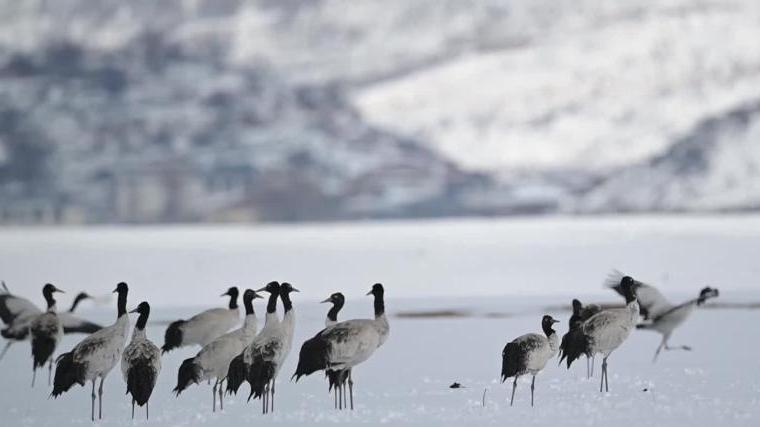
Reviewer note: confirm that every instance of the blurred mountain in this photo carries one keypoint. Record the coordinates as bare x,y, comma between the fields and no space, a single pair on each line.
715,167
149,132
232,110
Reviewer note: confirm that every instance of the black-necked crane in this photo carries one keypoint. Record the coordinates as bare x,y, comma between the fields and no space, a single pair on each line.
213,361
528,354
17,313
268,354
141,362
238,369
338,301
346,344
204,327
95,356
605,331
659,314
580,314
336,379
46,330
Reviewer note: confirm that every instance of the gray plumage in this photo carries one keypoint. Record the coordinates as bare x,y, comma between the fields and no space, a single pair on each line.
528,354
663,317
95,356
605,331
141,362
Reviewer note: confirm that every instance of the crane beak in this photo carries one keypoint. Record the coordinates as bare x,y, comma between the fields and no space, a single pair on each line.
369,293
58,290
327,300
555,321
292,289
135,310
264,289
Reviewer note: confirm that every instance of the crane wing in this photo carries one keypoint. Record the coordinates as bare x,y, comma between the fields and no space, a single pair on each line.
13,307
651,302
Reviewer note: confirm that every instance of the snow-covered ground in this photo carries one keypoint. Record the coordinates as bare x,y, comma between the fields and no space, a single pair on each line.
407,380
503,274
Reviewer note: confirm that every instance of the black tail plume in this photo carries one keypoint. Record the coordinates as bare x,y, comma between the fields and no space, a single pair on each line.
42,349
236,374
173,336
312,357
67,373
141,378
260,374
574,344
512,361
189,373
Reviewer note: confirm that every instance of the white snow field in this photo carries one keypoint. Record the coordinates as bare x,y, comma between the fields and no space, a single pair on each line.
499,276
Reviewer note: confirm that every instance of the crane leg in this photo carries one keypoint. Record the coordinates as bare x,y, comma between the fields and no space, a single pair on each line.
92,407
266,398
605,381
221,395
5,349
34,374
133,408
213,396
340,395
351,389
532,387
100,398
147,410
50,370
344,392
663,344
335,393
514,387
269,396
588,367
271,402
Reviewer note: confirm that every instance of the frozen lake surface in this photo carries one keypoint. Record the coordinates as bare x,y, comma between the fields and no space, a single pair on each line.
182,266
502,275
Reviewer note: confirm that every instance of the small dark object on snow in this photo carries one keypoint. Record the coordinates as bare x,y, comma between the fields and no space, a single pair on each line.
456,385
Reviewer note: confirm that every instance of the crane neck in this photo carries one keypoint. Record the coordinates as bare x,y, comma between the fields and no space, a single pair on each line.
121,305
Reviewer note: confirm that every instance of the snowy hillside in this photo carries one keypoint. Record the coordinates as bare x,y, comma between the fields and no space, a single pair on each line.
715,167
231,110
611,91
155,132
